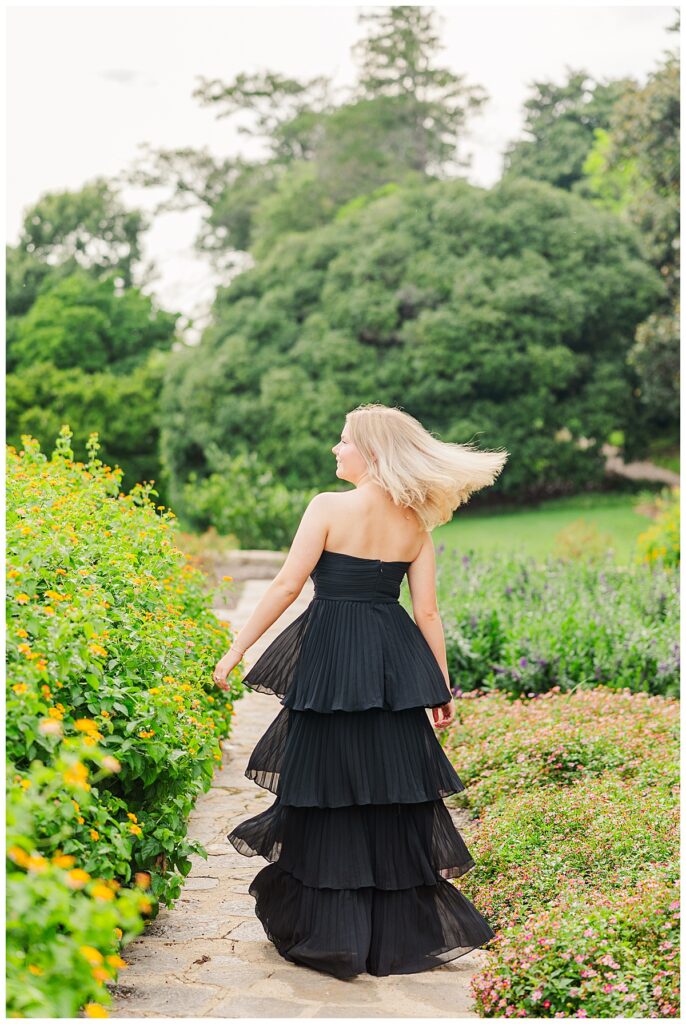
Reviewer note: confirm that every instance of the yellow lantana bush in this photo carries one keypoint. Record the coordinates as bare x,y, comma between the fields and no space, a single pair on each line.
113,721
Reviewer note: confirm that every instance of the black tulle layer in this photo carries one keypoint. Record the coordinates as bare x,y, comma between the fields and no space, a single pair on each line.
391,846
348,931
352,757
350,655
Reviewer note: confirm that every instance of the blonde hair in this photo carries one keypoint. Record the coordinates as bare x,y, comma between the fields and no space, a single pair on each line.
419,471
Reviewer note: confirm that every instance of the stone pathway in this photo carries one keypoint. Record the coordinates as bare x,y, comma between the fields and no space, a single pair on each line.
209,956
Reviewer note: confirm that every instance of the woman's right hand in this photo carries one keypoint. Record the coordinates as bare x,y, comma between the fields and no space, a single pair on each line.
444,715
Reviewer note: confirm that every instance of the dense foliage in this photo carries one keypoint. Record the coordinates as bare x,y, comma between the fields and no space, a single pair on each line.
578,851
84,345
504,314
113,722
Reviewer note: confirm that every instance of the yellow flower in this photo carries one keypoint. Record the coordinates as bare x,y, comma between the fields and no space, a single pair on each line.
142,879
131,816
64,860
101,973
20,687
77,878
102,892
24,648
227,577
92,955
76,775
119,933
95,1010
168,679
94,834
35,969
37,863
22,599
22,632
86,725
55,713
136,829
18,855
98,649
116,961
25,783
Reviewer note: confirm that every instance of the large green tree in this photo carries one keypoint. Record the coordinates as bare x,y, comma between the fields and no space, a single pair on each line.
94,325
635,168
501,315
405,116
560,126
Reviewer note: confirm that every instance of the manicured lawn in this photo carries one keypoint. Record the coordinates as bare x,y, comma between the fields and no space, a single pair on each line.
534,529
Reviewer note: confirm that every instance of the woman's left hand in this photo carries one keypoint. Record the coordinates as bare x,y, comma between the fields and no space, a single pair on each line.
224,666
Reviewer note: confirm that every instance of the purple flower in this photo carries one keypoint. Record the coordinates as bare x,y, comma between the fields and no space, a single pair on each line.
508,591
523,662
465,559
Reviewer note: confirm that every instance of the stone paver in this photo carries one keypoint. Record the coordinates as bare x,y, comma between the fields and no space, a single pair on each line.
209,956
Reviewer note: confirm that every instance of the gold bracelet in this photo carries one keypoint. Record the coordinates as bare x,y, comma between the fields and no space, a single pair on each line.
234,648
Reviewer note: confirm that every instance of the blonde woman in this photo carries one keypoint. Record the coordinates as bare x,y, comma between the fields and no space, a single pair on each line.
359,840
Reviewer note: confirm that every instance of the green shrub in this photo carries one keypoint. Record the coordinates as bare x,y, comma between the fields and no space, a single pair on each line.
243,499
65,924
661,541
111,642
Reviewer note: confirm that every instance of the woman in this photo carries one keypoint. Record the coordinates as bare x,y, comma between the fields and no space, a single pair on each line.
360,842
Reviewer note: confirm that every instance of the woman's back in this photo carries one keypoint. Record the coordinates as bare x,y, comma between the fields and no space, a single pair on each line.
367,523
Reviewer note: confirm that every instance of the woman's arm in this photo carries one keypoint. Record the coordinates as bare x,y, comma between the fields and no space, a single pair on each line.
302,557
421,577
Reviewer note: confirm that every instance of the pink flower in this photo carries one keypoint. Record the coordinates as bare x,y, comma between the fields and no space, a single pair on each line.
607,988
581,1013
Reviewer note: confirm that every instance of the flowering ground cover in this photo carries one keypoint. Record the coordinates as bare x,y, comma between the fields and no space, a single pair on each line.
113,722
578,850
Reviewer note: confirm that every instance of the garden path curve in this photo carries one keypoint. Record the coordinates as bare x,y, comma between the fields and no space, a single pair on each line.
209,956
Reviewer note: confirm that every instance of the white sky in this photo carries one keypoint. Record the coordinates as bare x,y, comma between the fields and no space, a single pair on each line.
87,85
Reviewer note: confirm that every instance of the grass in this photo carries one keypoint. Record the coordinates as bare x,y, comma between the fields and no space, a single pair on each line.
550,528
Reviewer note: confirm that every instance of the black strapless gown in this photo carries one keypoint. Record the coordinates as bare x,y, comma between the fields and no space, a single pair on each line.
360,843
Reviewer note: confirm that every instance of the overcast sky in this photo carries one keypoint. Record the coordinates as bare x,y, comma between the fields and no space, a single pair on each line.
87,85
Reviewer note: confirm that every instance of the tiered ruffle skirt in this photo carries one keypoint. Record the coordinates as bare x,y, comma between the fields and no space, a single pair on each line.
360,844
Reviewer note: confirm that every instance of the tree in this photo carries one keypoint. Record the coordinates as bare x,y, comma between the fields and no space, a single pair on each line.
503,313
635,167
90,324
432,103
403,117
88,229
561,122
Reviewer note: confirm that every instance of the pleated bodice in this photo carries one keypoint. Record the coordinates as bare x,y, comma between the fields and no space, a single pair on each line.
341,577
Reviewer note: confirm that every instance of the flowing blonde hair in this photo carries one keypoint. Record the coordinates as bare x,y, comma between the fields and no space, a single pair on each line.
420,472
